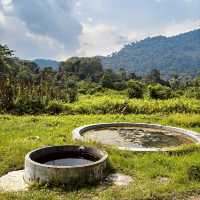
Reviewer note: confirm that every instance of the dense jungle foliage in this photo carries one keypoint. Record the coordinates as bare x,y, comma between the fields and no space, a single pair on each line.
82,85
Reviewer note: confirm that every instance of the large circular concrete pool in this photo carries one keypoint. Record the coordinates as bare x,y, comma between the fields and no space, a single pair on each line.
74,165
137,136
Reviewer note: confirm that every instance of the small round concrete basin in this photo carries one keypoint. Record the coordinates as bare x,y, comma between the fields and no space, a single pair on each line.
73,165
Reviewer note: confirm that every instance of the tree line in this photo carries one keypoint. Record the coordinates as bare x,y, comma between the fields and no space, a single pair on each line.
26,88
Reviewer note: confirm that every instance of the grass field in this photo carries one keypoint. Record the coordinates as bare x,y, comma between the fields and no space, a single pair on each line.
18,136
115,104
111,102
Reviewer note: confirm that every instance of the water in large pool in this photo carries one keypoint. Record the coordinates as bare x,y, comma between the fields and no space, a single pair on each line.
137,137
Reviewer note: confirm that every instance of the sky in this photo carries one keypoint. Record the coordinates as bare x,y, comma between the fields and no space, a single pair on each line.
58,29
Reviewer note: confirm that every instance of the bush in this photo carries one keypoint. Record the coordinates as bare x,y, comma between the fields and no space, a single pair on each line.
193,92
55,107
110,102
194,173
159,92
135,89
107,81
28,105
119,85
6,99
72,91
86,87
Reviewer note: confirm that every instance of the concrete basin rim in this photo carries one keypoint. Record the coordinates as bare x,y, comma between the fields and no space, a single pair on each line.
103,159
77,134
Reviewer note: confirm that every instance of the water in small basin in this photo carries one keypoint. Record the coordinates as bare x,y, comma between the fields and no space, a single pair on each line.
69,162
136,137
61,159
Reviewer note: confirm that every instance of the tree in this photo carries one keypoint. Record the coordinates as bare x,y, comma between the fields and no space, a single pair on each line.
158,91
123,74
132,75
135,89
106,80
153,76
6,93
83,68
5,54
72,91
175,82
119,85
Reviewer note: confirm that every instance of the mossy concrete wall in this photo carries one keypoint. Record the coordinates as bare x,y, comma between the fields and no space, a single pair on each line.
73,175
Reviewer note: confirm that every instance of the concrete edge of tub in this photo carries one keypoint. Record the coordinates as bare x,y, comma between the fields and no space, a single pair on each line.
36,172
77,133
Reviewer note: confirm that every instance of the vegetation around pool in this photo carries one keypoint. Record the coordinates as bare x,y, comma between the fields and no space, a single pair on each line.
175,174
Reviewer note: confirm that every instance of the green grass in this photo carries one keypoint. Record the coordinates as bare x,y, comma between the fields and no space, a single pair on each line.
119,103
17,137
112,102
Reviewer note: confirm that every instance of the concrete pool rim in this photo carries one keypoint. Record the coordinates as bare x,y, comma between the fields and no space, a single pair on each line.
27,157
36,172
78,133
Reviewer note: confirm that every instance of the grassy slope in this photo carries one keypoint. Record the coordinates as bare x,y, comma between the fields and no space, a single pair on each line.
17,138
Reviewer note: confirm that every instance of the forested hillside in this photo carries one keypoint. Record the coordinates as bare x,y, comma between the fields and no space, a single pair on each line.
27,88
171,55
42,63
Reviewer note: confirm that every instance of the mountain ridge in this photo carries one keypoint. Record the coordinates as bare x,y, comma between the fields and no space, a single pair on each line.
42,63
178,54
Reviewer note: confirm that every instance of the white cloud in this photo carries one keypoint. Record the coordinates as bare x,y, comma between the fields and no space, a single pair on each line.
44,28
59,29
2,19
7,5
100,39
177,28
17,36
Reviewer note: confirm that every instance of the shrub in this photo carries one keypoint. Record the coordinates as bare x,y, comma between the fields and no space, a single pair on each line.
158,91
135,89
119,85
194,173
106,81
6,99
96,89
72,91
29,105
55,107
86,87
193,92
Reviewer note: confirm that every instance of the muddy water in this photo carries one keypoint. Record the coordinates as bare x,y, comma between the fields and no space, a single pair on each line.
137,137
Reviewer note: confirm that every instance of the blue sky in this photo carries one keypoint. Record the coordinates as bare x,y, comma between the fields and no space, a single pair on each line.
58,29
